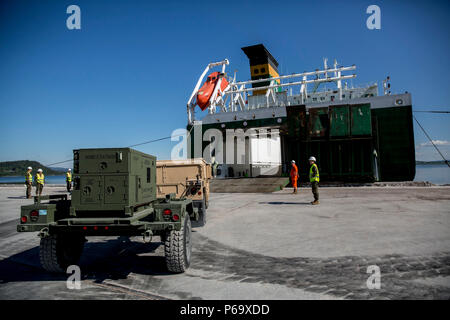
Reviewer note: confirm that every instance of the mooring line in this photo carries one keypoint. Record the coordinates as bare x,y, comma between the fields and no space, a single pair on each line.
445,160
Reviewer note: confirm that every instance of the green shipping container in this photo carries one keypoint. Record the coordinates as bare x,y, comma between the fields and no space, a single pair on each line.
361,120
318,122
339,121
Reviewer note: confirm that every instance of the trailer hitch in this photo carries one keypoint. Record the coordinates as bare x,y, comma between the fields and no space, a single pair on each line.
147,236
43,233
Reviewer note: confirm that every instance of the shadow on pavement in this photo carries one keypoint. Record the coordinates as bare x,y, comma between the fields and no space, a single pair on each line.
109,259
283,202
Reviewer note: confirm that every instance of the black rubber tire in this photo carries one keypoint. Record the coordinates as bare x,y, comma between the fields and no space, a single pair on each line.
204,199
57,252
178,247
201,215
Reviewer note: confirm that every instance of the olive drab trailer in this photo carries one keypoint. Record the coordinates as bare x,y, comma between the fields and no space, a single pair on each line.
114,194
112,180
186,178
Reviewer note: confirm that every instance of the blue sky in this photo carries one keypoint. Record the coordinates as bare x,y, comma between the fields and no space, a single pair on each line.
125,77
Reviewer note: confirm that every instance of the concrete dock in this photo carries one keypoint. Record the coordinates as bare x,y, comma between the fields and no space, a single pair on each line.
259,246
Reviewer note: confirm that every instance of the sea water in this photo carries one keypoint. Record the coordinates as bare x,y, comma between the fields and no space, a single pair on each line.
21,180
434,173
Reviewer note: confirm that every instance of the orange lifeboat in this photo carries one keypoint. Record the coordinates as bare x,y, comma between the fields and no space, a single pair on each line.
205,92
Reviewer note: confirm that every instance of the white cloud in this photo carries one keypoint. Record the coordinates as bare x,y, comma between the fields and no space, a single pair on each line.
425,153
436,142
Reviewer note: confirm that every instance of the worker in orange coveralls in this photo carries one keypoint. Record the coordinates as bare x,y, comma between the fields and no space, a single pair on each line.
294,175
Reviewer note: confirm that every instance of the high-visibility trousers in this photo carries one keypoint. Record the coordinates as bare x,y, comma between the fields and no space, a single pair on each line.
294,182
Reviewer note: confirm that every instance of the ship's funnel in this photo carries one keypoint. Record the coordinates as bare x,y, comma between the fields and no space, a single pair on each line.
262,65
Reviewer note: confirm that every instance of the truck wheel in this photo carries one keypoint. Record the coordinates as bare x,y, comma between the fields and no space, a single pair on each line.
57,252
178,247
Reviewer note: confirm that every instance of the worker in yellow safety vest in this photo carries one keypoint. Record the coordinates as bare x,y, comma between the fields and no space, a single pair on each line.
69,179
314,179
39,182
28,182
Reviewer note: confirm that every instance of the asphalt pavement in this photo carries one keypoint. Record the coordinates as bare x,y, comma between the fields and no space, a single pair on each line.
258,246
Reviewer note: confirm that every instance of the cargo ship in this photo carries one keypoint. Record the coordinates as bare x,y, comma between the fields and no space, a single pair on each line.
355,133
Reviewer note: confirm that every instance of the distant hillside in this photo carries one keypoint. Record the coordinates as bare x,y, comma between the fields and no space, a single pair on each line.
18,168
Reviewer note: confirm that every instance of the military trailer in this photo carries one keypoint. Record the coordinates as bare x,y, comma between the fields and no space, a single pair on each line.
186,178
114,195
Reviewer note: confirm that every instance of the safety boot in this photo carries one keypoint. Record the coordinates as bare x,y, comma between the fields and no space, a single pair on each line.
315,202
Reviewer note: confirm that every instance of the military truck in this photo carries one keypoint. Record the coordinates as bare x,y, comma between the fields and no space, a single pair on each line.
186,178
114,194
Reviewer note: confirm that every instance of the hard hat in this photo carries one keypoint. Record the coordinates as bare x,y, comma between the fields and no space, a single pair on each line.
29,168
312,159
293,161
69,169
39,170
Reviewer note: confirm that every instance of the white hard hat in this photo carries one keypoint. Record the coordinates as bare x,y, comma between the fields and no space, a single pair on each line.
312,159
69,169
39,170
293,161
29,168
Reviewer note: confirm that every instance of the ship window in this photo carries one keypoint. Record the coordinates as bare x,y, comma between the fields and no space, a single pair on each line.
256,71
263,70
148,175
314,99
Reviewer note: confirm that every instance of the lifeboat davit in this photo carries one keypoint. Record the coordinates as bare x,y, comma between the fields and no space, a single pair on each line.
205,92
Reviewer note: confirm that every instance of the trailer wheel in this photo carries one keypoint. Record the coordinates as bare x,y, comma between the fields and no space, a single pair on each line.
57,252
178,247
201,213
206,201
